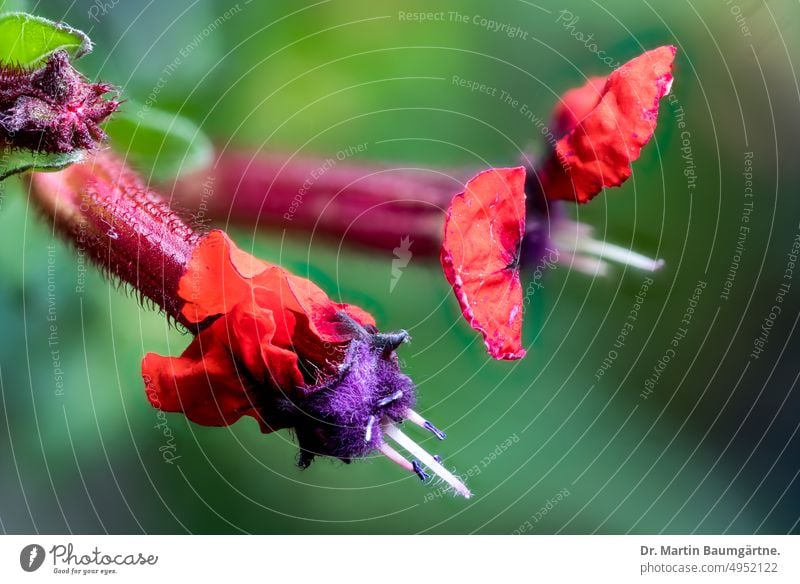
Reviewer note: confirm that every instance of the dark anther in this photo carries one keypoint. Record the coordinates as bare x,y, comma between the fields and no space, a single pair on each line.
435,431
394,397
386,341
305,458
390,341
352,326
418,469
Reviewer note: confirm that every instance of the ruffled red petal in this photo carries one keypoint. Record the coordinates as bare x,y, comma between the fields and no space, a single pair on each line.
251,337
220,275
203,383
217,278
480,257
597,152
270,327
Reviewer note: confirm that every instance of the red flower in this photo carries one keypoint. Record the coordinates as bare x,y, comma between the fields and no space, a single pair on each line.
272,331
267,344
576,104
605,129
273,346
483,233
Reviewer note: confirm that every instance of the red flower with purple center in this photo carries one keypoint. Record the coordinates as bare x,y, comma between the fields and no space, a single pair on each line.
604,124
268,344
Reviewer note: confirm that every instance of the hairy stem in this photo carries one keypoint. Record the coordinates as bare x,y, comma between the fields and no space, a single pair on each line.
107,212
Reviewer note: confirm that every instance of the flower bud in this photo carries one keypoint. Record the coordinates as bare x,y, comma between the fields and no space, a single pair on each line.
52,109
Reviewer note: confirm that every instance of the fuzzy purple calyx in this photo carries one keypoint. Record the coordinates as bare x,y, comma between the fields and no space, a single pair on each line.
340,418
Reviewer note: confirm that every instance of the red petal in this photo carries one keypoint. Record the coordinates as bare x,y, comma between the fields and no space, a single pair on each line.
576,104
598,151
480,257
203,383
305,298
251,333
220,276
221,374
217,278
268,323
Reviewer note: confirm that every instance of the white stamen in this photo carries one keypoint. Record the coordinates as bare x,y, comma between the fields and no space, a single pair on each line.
574,240
588,265
393,432
395,457
617,253
415,418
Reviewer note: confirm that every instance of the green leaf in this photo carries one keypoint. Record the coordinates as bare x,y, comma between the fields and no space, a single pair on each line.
27,40
165,145
16,161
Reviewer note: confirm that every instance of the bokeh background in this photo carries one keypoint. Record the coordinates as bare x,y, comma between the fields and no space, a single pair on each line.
713,448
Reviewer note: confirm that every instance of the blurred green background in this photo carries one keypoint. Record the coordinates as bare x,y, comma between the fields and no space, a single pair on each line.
714,447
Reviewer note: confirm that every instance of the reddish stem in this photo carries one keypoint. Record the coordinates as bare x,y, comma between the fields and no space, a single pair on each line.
105,210
373,205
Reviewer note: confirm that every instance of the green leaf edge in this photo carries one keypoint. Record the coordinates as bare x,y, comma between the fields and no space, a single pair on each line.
85,47
42,162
